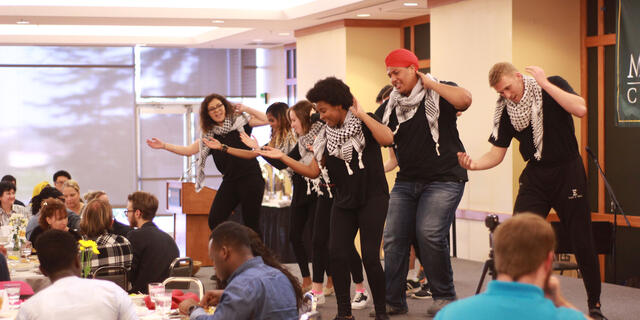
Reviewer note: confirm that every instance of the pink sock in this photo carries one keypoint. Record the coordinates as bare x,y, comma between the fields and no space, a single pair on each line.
315,292
360,290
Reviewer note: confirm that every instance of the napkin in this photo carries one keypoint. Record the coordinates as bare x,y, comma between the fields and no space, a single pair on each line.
177,296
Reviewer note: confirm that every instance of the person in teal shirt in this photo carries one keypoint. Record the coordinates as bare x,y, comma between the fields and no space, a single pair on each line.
523,250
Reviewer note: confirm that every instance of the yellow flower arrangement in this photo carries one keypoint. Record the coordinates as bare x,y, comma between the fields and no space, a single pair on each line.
85,258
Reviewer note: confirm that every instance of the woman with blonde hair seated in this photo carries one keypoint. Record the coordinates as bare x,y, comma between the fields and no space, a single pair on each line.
115,250
72,199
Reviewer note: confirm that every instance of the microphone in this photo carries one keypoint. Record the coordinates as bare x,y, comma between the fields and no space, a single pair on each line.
593,155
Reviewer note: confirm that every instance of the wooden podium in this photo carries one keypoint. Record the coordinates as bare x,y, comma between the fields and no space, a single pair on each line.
191,210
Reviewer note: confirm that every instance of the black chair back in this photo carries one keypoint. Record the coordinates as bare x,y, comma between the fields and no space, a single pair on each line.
180,267
115,274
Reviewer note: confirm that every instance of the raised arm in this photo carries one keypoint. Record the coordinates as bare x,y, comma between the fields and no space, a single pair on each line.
257,118
312,170
380,132
236,152
570,102
487,161
460,98
189,150
392,163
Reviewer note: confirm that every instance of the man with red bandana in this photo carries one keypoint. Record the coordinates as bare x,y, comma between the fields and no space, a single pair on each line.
421,112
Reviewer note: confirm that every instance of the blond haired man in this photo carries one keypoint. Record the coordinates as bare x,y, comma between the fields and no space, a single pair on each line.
523,249
538,111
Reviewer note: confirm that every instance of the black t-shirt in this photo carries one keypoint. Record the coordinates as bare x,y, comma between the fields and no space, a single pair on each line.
231,167
299,196
415,149
353,191
558,140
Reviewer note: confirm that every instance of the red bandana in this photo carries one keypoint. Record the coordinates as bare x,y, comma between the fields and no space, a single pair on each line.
401,58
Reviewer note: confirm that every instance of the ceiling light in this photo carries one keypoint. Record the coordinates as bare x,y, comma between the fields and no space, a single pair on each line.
284,34
22,21
217,21
410,4
362,15
257,40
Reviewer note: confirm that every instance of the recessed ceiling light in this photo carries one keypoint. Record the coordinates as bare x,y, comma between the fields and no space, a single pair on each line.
410,4
22,21
257,40
284,34
362,15
217,21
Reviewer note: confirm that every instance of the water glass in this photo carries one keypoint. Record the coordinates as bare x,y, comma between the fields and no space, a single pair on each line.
155,288
13,293
25,249
163,302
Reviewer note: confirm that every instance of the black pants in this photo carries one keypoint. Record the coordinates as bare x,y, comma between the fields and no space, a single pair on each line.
344,225
299,216
564,188
247,192
321,227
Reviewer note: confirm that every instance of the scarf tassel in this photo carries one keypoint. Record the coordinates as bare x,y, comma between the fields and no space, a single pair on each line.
348,167
360,164
438,149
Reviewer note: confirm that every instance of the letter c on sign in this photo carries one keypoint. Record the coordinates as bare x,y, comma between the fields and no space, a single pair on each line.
630,98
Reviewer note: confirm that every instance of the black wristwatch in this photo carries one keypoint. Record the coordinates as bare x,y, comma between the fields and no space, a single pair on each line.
224,148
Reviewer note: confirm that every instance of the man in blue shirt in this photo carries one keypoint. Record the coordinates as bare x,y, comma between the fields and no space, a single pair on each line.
523,250
254,289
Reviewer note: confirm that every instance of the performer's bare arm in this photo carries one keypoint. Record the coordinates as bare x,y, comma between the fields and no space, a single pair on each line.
459,97
379,131
189,150
572,103
312,170
487,161
258,118
392,163
236,152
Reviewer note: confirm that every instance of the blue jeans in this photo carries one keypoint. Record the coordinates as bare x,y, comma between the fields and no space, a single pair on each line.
424,212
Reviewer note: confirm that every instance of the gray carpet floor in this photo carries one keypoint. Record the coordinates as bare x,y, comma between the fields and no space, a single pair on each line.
618,302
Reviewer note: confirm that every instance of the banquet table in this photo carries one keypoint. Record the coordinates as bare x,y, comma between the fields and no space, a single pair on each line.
26,270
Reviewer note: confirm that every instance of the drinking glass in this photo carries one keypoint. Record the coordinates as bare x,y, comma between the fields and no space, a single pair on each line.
25,249
163,302
13,293
155,288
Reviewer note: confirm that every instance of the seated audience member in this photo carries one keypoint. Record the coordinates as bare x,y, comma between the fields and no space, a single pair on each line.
257,286
11,179
117,227
71,192
53,215
69,296
59,178
39,187
153,249
523,248
115,250
4,268
7,203
73,220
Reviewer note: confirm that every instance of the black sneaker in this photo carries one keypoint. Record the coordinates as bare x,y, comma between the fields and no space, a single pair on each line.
596,314
392,311
344,318
423,294
412,287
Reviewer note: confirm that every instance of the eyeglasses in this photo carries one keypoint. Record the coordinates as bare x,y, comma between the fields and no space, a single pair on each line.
216,107
126,211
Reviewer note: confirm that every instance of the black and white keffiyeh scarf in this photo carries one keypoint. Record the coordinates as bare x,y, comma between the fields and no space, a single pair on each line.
306,155
235,122
406,107
527,111
340,143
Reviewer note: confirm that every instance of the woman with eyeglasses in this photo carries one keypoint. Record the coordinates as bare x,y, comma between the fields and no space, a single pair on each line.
221,123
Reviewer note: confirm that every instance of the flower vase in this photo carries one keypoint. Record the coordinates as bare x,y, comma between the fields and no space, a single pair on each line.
17,242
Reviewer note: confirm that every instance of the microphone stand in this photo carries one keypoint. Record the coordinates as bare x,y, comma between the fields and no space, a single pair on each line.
615,208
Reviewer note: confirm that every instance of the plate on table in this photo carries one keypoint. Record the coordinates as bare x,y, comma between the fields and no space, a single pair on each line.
22,266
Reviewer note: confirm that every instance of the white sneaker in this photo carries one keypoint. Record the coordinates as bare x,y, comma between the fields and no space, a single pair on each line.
318,298
360,300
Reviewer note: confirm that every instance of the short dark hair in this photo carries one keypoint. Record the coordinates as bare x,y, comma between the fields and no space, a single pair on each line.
384,93
231,234
61,173
47,192
332,91
145,202
6,186
9,178
57,251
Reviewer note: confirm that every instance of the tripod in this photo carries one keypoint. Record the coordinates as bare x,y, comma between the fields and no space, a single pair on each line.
491,221
615,208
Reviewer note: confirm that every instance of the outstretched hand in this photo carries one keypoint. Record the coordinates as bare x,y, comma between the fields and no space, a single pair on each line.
212,143
155,143
270,152
250,142
465,161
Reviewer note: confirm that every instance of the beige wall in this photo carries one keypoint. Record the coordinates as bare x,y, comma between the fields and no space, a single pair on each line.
546,33
467,38
321,55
